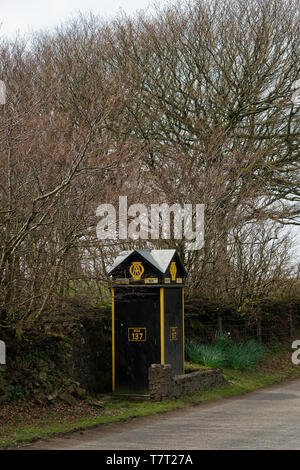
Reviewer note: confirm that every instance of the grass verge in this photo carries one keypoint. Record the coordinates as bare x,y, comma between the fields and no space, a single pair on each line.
21,422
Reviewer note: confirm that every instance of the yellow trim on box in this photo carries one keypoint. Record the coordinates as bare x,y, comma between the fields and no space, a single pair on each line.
162,327
179,280
167,280
113,336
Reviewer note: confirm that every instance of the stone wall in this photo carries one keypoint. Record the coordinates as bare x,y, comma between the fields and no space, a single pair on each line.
90,361
163,384
51,360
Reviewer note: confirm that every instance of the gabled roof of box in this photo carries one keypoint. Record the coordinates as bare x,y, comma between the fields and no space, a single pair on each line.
160,259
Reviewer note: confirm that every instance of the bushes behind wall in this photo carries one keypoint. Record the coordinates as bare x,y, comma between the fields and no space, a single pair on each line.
265,321
71,354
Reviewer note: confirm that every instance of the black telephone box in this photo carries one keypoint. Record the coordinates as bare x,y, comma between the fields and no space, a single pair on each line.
147,316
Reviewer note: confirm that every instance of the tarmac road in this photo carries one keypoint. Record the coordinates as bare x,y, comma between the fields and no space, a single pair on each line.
266,419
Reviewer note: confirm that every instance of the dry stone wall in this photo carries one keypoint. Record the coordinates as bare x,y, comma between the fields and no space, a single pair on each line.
163,384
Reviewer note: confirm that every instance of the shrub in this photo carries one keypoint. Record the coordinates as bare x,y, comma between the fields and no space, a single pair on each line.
223,342
225,352
192,352
241,356
204,354
212,356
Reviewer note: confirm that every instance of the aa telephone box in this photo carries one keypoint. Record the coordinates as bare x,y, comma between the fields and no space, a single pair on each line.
147,316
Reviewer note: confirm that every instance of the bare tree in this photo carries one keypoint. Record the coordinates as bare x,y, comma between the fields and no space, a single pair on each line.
190,105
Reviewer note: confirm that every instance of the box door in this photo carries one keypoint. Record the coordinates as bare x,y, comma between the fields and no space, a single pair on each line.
137,338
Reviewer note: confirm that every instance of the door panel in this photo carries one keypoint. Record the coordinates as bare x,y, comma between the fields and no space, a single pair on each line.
137,338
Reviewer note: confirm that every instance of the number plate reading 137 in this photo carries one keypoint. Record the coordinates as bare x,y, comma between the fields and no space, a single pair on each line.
136,334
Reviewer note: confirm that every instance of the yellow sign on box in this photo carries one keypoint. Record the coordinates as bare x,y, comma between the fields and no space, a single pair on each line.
136,270
173,270
122,281
174,333
137,334
151,280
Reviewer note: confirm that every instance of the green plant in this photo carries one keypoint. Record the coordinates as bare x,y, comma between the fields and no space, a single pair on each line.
212,356
223,342
16,393
243,355
225,353
192,352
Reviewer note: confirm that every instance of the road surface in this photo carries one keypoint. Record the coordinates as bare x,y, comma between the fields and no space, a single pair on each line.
266,419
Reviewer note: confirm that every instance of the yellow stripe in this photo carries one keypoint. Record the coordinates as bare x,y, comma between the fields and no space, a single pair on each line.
162,327
113,336
183,324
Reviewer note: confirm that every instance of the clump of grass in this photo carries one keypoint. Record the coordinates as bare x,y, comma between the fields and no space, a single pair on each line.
225,353
241,356
223,342
192,352
212,356
204,354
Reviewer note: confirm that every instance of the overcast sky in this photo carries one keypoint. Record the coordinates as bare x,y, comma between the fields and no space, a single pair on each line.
30,15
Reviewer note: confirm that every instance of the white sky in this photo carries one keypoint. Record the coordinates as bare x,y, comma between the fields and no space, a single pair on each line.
25,16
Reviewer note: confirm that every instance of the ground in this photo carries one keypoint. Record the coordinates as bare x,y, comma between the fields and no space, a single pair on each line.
265,419
26,421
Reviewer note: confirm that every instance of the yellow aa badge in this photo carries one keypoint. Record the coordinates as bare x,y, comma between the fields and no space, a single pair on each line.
136,270
173,270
